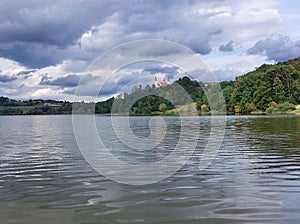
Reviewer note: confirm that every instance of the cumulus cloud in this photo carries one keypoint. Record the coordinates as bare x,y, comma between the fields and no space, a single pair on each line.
279,48
39,34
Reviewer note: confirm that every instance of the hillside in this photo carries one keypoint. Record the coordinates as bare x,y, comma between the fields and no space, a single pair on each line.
267,86
267,89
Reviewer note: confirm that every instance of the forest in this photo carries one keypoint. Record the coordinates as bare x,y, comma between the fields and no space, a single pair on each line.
269,89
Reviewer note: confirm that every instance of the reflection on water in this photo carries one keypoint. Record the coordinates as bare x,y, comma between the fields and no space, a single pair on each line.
254,178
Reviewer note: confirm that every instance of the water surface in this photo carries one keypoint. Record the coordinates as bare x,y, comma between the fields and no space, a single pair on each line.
255,177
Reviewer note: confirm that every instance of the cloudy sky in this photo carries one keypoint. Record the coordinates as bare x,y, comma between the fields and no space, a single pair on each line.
46,46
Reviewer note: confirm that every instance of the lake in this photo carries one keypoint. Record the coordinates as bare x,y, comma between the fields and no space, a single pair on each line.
254,178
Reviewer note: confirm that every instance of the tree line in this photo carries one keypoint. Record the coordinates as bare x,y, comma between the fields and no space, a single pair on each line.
267,89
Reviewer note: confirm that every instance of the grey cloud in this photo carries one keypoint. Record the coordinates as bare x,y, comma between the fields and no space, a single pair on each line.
66,81
167,70
32,55
6,78
216,32
157,51
42,33
280,48
107,91
200,47
70,91
50,22
226,47
170,72
26,72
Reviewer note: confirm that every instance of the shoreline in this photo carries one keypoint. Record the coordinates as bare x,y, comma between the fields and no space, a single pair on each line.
161,115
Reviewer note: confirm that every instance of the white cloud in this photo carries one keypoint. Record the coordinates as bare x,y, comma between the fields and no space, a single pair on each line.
103,35
247,23
234,64
10,67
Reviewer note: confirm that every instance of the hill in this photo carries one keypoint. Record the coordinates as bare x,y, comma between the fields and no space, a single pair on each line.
267,86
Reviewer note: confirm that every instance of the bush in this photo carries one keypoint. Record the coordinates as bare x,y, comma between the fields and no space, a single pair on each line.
270,110
204,108
284,107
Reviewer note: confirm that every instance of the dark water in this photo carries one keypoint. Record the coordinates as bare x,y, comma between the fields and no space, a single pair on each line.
255,177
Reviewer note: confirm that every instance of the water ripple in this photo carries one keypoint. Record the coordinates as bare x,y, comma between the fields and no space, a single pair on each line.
254,178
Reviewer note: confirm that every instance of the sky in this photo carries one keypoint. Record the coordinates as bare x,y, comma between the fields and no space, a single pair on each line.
46,46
